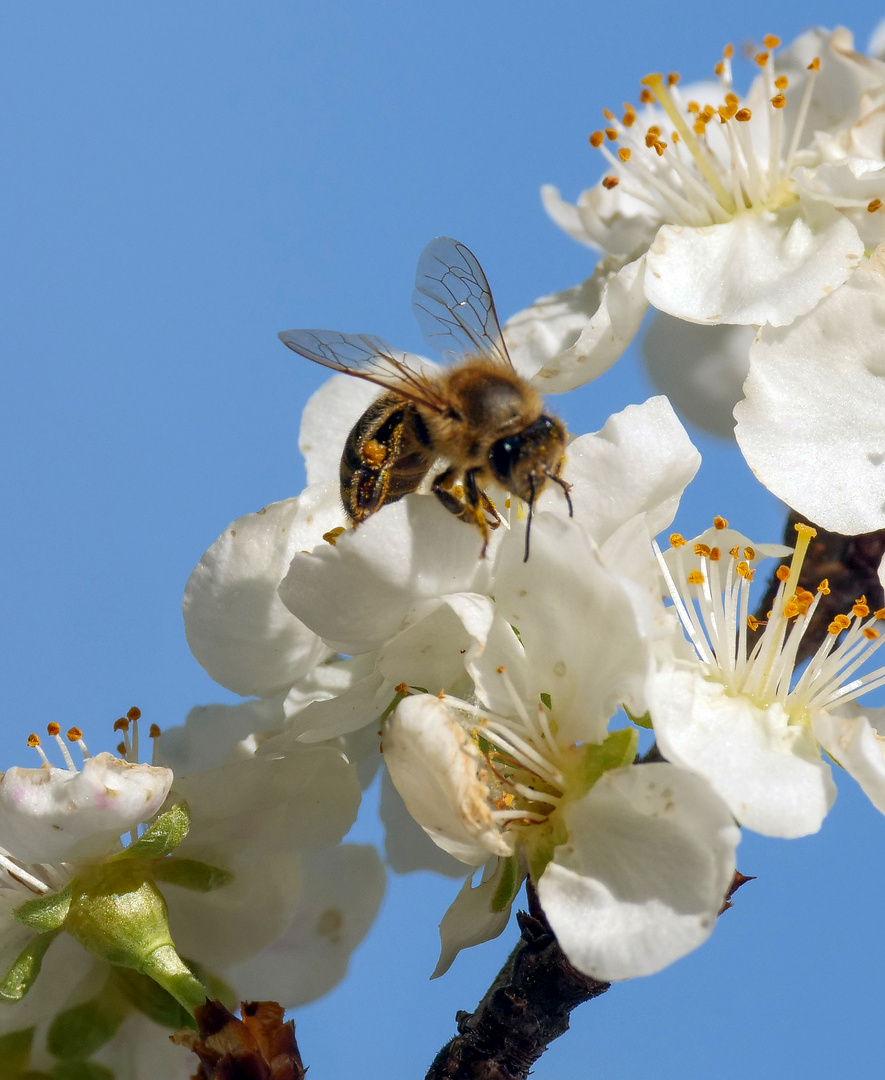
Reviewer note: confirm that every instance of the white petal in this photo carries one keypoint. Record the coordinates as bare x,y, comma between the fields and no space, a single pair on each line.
56,815
609,219
357,594
566,339
232,923
812,426
639,884
236,626
470,919
768,267
440,774
855,744
360,704
303,799
876,46
639,463
211,732
341,893
701,369
407,847
768,771
576,623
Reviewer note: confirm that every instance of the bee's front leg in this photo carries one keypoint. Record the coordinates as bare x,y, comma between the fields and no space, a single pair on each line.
473,506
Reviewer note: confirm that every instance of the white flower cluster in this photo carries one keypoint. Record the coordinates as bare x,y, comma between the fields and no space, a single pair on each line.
764,213
504,684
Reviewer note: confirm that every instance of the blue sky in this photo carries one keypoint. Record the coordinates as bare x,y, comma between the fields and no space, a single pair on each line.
181,181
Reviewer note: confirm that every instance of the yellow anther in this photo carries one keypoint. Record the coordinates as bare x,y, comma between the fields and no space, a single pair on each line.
752,622
154,731
33,740
824,587
500,669
695,578
814,65
624,153
719,523
761,59
660,147
646,96
791,609
743,115
609,182
52,728
73,734
702,550
781,82
719,68
860,608
870,634
749,553
778,101
782,573
715,554
122,724
873,205
735,552
611,134
677,540
597,139
629,117
672,78
731,99
743,569
608,114
699,127
771,41
842,621
728,52
694,107
134,713
331,537
401,688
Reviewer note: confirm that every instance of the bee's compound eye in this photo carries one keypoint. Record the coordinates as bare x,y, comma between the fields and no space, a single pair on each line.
504,454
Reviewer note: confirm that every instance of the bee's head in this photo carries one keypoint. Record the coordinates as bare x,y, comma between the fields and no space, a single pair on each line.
524,462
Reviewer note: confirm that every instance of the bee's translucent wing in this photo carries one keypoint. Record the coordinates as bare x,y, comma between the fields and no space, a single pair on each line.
367,357
453,303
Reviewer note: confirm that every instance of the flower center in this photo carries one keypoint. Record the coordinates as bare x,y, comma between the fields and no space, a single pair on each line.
718,160
712,602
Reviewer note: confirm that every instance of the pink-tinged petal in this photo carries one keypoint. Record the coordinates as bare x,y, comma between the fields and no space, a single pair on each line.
57,815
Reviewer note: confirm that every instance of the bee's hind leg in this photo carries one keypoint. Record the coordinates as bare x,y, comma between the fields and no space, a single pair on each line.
474,507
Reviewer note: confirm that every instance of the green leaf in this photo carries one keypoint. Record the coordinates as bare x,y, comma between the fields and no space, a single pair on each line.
20,977
509,882
81,1030
643,721
81,1070
46,913
615,752
15,1053
150,998
163,836
190,874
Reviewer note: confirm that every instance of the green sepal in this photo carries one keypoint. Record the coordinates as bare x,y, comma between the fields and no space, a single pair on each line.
15,1053
81,1070
84,1028
547,701
46,913
163,836
190,874
643,721
509,882
616,751
540,850
142,993
26,967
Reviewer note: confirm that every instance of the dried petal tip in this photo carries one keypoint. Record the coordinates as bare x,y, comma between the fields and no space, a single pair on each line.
260,1046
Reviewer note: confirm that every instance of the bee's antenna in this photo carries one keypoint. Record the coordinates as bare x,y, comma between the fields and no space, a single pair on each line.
528,527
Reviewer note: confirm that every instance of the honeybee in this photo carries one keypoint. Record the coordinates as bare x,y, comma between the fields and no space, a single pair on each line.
480,415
